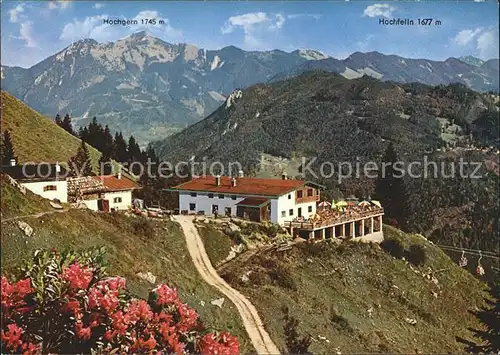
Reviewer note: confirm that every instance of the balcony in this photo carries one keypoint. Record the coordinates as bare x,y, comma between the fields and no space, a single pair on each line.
332,221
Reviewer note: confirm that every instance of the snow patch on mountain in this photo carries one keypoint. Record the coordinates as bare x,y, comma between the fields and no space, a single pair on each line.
370,72
217,63
311,54
216,96
348,73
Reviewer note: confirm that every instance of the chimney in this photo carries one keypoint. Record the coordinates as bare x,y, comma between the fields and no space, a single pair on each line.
58,167
120,174
284,176
240,173
217,180
13,162
233,182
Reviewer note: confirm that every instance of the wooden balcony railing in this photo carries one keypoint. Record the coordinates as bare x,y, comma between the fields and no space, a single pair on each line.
334,221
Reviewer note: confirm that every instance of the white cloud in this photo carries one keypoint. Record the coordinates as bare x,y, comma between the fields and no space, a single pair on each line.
377,10
464,37
15,13
246,21
487,44
26,35
484,41
94,27
59,4
98,5
256,26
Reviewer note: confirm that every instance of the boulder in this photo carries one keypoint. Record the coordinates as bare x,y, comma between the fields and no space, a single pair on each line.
26,228
218,302
56,205
148,276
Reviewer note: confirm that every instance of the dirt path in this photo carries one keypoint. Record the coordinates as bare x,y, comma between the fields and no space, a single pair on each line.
253,324
35,215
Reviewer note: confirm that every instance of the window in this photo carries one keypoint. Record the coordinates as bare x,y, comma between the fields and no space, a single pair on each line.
310,209
283,213
291,212
192,206
117,200
309,192
193,194
289,196
221,196
233,197
210,195
50,188
299,194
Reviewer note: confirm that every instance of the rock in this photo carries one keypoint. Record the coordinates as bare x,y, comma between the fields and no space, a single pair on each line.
309,260
26,228
147,277
411,321
245,277
56,205
218,302
234,228
202,303
435,294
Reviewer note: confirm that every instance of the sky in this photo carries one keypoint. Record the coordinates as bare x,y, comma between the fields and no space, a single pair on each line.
35,30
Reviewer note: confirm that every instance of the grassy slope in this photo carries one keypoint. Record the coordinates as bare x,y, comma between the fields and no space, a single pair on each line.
14,203
164,253
217,245
330,289
37,138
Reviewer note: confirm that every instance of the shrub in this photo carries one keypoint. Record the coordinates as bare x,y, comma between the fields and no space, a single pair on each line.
282,276
66,304
393,247
295,343
144,226
417,254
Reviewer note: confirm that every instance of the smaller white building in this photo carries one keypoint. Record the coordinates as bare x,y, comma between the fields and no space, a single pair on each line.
47,180
102,193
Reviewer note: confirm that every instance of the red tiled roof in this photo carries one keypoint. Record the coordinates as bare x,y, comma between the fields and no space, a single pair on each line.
112,183
244,186
254,202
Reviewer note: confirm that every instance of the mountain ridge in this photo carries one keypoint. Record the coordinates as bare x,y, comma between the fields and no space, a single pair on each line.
143,85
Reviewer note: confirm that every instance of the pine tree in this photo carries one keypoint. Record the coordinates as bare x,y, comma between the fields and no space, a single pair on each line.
66,124
7,149
134,151
58,120
108,142
80,164
390,187
120,151
105,165
95,136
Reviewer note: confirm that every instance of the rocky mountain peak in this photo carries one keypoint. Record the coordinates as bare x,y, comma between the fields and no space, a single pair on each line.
310,54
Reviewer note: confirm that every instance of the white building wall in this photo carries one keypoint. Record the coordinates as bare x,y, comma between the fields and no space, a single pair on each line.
126,199
278,205
91,204
285,204
61,192
204,203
